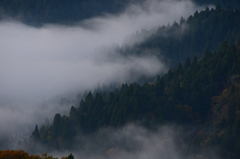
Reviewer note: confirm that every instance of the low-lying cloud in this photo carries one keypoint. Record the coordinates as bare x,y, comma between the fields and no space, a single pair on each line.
38,63
133,141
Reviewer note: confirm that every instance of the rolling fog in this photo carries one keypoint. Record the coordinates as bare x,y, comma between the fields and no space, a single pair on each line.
38,64
133,142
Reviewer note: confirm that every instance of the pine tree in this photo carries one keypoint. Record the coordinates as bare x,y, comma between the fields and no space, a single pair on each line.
57,126
35,135
70,156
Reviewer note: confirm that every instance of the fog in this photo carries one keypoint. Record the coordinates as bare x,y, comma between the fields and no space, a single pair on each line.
38,64
133,141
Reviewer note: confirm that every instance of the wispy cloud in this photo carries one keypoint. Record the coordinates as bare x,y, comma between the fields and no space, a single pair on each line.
132,141
38,63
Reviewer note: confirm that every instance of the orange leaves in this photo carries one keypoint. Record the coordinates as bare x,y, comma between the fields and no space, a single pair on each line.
13,154
20,154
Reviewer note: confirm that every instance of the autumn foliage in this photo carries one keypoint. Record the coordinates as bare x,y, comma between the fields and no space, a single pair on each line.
20,154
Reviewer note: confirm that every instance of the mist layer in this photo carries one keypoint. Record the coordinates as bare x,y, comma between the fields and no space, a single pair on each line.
38,63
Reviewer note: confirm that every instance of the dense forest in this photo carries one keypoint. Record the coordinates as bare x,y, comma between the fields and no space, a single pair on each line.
175,43
38,12
201,90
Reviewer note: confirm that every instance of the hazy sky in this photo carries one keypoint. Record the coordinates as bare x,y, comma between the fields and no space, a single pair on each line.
38,63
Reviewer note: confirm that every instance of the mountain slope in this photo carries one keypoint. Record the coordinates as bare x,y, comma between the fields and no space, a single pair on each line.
186,95
201,90
205,29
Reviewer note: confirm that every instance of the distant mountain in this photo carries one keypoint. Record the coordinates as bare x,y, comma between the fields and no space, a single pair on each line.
37,12
223,3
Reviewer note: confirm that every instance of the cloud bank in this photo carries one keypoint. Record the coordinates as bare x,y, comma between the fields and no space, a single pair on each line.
38,63
133,141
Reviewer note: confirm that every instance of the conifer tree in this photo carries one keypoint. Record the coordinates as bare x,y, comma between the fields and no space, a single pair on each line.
35,135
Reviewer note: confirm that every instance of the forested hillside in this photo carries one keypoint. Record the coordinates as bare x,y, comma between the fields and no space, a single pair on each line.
37,12
194,93
200,92
205,29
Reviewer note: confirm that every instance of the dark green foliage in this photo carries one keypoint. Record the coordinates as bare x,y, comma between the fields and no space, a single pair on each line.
57,128
183,96
219,3
237,148
70,156
199,34
236,126
35,135
37,12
